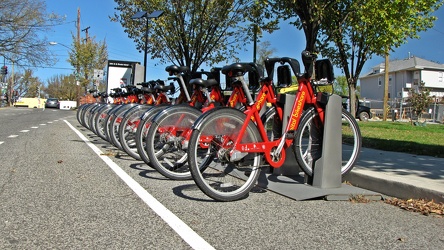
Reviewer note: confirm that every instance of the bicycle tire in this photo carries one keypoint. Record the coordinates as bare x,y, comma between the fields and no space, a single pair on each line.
80,110
100,120
165,141
142,131
108,119
91,120
86,115
115,123
213,172
128,130
308,141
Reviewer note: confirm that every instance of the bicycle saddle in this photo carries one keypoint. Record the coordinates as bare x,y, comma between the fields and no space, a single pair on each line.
174,70
164,88
204,83
239,69
147,89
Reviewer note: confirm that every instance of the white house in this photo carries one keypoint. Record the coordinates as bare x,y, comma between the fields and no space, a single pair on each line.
403,75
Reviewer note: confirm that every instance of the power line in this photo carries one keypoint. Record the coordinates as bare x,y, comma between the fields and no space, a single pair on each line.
438,30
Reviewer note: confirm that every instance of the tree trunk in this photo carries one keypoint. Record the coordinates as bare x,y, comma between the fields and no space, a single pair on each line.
352,96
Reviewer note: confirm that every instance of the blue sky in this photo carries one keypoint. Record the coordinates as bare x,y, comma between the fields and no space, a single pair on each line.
288,41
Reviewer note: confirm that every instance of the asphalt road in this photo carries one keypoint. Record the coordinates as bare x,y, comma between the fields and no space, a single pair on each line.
56,192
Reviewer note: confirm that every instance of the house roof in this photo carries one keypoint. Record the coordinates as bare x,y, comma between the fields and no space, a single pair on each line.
412,63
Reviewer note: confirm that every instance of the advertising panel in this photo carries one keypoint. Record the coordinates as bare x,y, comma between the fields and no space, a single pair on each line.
122,73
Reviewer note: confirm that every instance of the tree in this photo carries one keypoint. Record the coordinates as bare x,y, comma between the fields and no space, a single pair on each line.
350,32
21,24
265,51
309,15
340,86
419,99
86,56
26,84
62,86
191,33
353,31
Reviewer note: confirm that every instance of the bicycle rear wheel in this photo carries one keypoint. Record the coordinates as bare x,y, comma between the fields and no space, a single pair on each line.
218,174
167,140
309,137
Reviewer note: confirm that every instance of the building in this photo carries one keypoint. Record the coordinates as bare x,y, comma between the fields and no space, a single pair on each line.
403,75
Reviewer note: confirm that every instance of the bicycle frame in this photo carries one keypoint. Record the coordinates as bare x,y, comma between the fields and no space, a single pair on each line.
198,96
237,96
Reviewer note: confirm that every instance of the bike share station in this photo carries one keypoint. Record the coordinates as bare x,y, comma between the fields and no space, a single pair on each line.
326,181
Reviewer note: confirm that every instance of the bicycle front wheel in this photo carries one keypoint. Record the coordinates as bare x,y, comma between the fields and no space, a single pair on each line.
309,138
142,131
218,172
167,141
100,120
128,129
115,124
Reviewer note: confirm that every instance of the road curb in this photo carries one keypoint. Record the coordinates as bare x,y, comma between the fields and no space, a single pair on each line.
393,188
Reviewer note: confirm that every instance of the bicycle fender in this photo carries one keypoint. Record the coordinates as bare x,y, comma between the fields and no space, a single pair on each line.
198,123
172,110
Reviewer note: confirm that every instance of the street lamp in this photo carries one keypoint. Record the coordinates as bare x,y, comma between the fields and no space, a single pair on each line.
77,69
56,43
142,14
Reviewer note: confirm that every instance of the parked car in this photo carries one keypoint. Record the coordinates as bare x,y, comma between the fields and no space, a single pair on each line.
362,112
52,103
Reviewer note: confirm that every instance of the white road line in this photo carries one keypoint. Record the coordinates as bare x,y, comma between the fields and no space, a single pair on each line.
1,142
49,122
24,131
12,136
34,127
43,124
182,229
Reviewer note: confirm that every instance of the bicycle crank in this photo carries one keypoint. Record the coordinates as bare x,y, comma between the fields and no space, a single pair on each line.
275,159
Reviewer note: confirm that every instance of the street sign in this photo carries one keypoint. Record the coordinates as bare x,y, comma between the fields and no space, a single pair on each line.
98,74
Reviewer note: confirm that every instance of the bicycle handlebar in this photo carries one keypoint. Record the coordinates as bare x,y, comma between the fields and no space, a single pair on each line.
307,59
270,62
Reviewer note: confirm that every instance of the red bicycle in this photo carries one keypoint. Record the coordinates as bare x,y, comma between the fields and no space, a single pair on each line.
168,136
228,148
161,103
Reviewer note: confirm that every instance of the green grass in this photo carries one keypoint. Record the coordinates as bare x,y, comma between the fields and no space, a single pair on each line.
404,137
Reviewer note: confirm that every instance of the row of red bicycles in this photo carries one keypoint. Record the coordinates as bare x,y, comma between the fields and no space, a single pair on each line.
223,138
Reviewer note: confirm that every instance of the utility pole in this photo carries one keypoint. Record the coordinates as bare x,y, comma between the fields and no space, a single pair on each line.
78,24
86,33
77,66
386,87
254,42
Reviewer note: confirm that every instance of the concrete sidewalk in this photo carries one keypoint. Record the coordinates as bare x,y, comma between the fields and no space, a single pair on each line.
399,175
